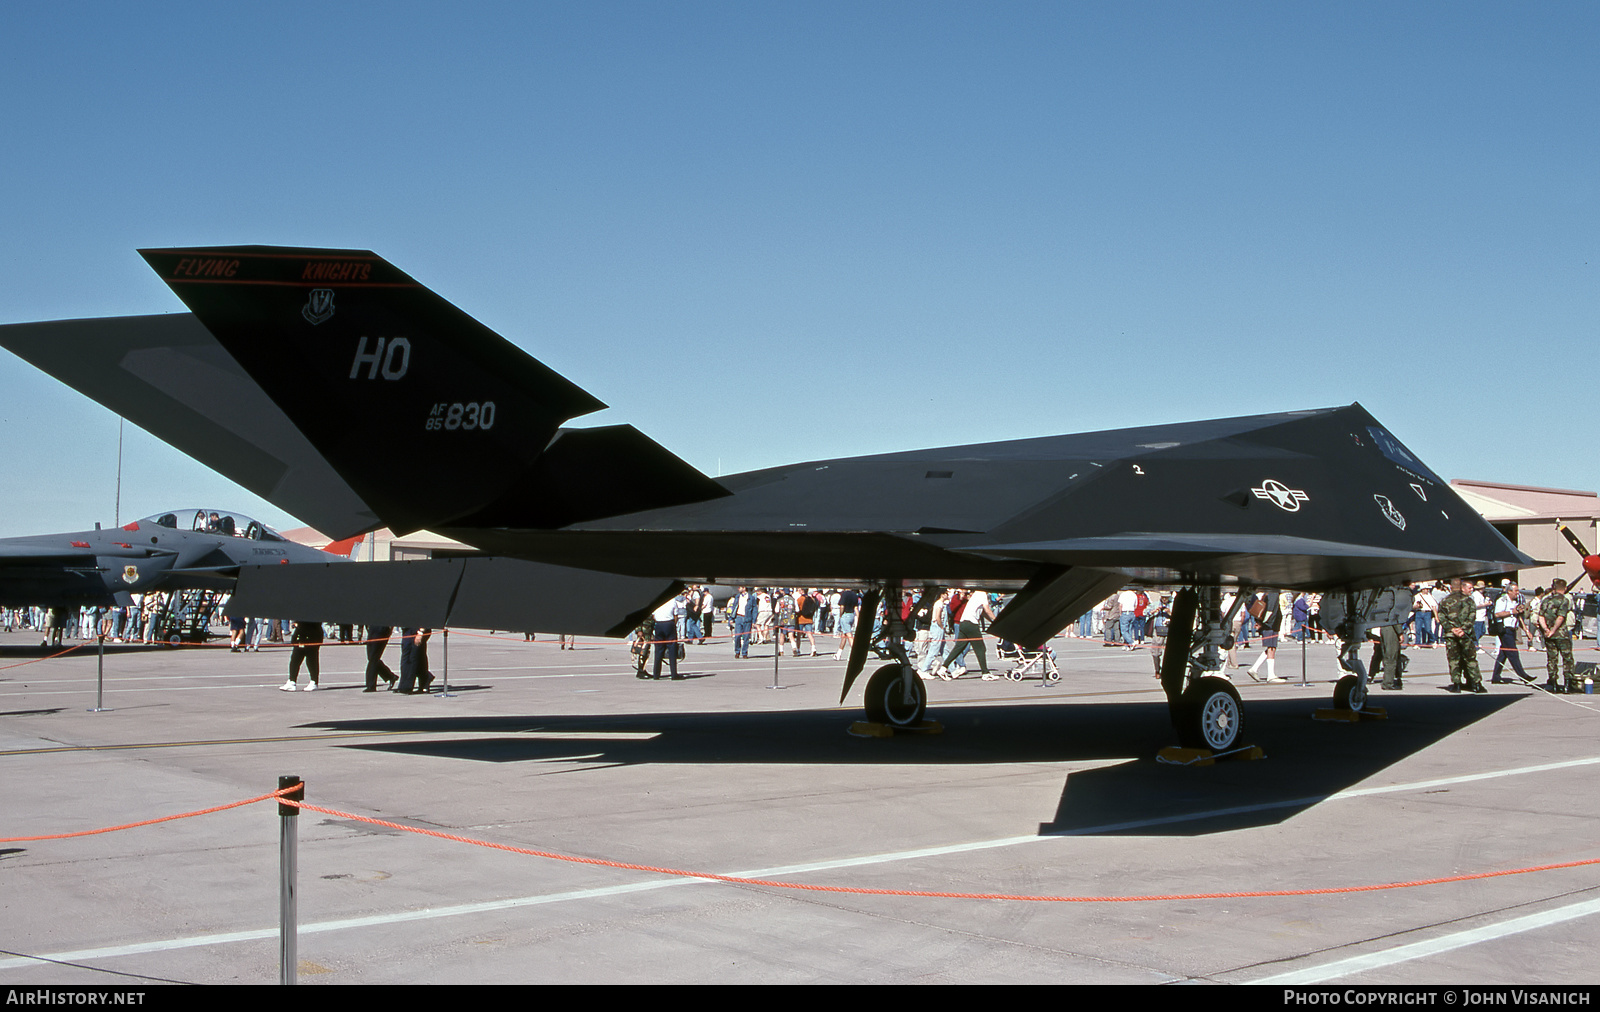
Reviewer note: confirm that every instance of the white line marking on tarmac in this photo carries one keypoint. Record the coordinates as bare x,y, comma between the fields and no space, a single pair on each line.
432,913
1433,947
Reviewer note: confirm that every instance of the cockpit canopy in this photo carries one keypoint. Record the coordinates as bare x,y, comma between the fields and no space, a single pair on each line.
215,522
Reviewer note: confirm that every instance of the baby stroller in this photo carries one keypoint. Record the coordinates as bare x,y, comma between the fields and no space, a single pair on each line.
1041,662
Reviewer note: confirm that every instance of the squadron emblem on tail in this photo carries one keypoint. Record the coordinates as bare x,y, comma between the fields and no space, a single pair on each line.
319,306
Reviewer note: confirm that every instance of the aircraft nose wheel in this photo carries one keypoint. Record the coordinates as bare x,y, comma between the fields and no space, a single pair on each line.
886,700
1350,693
1212,715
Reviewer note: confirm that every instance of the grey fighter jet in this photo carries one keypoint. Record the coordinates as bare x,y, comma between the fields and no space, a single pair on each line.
190,549
352,354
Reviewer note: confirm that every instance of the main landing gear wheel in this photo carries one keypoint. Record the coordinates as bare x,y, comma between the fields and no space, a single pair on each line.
886,700
1213,716
1350,693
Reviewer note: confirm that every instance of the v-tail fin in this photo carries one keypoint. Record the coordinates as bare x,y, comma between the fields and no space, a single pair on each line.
430,416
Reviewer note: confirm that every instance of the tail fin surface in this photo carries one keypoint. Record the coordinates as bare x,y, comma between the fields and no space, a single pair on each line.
431,417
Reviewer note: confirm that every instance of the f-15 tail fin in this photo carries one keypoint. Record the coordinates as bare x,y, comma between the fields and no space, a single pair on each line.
430,416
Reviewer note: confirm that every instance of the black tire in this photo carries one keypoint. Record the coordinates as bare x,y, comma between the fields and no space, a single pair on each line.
885,700
1350,693
1212,715
174,640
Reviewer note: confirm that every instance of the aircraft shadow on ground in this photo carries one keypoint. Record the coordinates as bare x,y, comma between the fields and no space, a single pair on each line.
1307,760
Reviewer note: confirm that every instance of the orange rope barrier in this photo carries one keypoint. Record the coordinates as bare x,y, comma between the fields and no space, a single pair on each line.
47,657
147,822
811,887
864,891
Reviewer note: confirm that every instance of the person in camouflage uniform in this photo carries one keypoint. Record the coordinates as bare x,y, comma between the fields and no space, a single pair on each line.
1555,621
1456,615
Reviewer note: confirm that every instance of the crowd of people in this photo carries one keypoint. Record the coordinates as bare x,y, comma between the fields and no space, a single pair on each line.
942,628
147,618
1551,618
1457,616
157,617
415,677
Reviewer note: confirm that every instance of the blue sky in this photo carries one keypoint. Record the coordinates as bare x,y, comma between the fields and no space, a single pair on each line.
767,232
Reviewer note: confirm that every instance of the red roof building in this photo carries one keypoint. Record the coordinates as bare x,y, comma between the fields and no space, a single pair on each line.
1527,515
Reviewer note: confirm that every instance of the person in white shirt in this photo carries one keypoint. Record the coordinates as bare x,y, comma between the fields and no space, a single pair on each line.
1426,609
969,635
1508,611
1128,601
1480,618
666,635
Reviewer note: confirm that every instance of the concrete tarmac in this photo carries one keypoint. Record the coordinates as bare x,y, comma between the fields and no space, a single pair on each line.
1032,790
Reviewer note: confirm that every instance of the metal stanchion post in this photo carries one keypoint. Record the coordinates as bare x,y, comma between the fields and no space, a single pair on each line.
100,681
446,691
288,912
777,651
1303,634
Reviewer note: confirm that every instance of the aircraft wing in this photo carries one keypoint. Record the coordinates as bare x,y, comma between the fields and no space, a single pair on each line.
32,554
476,592
53,572
1262,560
47,575
169,376
11,552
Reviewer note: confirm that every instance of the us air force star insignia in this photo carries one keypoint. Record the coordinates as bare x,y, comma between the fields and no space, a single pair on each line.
1389,512
319,306
1280,495
130,574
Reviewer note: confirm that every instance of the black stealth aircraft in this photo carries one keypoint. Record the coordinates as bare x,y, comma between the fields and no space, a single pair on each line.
371,366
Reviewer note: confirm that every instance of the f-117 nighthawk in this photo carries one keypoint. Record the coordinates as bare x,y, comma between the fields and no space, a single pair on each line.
347,365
